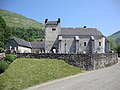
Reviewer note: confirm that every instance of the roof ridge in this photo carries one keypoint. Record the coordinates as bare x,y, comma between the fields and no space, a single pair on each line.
80,31
78,28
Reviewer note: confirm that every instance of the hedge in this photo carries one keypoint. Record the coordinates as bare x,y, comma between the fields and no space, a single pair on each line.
10,58
3,66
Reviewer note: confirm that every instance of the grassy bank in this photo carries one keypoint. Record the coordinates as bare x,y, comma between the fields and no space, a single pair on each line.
23,73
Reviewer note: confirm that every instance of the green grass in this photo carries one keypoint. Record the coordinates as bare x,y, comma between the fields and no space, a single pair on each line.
23,73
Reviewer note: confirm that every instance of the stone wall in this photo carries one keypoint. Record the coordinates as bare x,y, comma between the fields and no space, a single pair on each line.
2,55
83,61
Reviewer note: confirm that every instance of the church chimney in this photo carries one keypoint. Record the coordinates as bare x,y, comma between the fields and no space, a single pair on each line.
58,20
85,27
46,21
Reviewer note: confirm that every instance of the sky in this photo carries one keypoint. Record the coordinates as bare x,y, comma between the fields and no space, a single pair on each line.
101,14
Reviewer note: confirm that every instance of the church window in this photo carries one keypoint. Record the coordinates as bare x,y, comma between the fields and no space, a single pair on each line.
85,44
53,29
99,43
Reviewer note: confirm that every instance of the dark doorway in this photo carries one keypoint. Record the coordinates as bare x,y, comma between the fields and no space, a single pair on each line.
54,50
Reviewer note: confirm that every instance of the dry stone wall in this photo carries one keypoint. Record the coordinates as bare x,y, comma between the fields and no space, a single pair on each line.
83,61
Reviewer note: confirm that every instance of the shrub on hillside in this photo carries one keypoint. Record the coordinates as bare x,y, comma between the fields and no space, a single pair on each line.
10,58
3,66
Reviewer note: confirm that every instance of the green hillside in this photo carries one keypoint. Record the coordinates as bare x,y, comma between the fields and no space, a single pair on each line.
16,20
115,37
23,73
23,27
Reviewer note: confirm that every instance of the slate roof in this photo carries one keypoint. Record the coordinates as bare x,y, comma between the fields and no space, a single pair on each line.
38,44
52,23
24,43
80,31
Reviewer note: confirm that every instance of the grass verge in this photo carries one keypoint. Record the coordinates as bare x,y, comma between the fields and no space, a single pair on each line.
23,73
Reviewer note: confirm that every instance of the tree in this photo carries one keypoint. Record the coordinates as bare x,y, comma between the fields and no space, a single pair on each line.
1,46
2,29
5,32
118,49
113,44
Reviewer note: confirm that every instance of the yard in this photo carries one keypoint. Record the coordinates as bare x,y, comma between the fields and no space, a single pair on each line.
26,72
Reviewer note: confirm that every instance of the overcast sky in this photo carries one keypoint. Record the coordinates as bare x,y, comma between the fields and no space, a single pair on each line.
101,14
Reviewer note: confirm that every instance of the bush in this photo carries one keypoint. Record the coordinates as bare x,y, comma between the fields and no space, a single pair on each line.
10,58
1,49
1,44
3,66
118,48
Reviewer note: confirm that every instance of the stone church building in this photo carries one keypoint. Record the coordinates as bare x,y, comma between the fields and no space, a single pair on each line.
62,40
73,40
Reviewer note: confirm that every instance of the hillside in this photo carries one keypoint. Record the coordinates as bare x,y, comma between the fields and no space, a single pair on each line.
16,20
116,37
23,72
23,27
